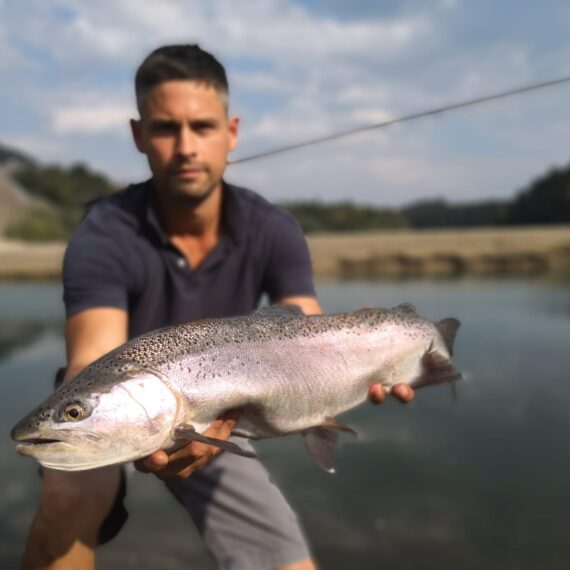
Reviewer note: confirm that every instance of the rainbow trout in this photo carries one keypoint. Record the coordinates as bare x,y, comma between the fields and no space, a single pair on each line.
285,371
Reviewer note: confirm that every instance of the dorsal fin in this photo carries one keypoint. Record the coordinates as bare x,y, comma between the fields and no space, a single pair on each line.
448,329
283,310
406,308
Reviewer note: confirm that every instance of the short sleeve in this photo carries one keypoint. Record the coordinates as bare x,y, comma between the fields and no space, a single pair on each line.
94,267
289,271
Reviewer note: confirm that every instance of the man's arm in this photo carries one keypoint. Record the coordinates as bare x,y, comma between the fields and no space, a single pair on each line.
309,305
92,333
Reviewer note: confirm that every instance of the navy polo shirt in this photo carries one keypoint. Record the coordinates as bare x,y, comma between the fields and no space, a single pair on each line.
120,257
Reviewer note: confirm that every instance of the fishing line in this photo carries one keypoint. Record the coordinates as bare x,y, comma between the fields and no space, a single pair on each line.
411,117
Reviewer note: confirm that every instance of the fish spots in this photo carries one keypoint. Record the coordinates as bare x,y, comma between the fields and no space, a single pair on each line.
201,343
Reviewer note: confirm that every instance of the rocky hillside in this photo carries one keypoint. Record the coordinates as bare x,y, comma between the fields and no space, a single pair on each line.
15,200
44,202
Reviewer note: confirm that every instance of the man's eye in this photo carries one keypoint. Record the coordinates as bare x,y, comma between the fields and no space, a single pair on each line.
164,129
202,127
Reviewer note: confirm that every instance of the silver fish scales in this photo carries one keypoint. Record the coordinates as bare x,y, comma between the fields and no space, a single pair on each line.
285,372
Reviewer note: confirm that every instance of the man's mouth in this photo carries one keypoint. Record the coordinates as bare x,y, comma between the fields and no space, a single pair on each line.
188,171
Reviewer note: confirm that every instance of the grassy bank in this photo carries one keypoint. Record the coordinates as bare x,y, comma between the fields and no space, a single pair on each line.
27,260
487,251
395,253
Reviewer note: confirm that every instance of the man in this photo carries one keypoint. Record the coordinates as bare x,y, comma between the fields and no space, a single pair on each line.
181,246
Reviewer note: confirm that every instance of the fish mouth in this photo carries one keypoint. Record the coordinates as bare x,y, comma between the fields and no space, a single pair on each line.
38,441
38,446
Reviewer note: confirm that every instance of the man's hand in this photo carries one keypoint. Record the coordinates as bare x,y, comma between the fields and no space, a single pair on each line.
190,458
402,391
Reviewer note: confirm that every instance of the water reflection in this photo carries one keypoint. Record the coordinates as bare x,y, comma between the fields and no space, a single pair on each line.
481,483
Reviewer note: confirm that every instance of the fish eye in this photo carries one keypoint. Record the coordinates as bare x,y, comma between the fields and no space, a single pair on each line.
73,412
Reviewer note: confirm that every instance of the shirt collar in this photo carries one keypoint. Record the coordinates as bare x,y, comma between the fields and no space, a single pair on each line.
234,220
235,213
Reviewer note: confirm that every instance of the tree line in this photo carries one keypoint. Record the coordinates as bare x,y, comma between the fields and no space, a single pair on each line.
68,191
546,200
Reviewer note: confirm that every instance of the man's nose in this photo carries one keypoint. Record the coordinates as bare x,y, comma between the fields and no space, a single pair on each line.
186,143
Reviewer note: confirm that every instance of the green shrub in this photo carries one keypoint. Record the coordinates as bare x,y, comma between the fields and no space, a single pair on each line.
39,225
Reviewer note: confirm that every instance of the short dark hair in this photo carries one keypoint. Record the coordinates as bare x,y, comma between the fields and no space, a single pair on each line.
180,62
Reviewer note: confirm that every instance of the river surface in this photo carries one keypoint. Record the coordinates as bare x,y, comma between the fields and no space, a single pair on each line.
480,483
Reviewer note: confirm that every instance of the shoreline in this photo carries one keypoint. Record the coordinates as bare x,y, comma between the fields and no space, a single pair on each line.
529,250
31,260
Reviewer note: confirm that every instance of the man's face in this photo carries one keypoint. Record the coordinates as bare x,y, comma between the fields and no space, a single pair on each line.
186,135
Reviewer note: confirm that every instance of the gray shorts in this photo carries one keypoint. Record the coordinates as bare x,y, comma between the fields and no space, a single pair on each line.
244,519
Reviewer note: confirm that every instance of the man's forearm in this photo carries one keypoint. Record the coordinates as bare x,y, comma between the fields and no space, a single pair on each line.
73,369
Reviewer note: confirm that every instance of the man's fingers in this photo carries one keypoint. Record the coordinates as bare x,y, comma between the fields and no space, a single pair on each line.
152,463
223,425
377,393
403,392
231,416
191,457
179,466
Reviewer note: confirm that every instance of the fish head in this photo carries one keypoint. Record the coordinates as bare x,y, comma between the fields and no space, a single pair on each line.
88,423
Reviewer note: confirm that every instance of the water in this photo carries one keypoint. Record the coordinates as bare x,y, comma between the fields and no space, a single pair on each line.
480,483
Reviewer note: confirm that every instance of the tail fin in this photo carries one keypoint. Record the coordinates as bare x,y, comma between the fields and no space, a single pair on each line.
448,329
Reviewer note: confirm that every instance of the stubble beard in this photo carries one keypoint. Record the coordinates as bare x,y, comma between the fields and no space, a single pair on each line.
192,193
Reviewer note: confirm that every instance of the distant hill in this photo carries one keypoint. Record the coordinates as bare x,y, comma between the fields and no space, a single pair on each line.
44,202
16,200
13,156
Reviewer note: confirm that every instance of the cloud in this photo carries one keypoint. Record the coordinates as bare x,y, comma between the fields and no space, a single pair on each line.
12,60
92,120
297,73
274,30
369,116
260,81
44,148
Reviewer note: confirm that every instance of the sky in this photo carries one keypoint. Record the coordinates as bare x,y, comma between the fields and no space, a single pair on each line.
300,69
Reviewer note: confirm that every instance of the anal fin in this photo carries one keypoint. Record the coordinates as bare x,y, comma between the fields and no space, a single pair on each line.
320,442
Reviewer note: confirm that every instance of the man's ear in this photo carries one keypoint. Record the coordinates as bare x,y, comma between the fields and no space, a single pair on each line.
136,130
233,128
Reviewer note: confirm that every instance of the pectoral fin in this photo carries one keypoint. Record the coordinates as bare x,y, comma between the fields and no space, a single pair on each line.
320,442
436,369
188,433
